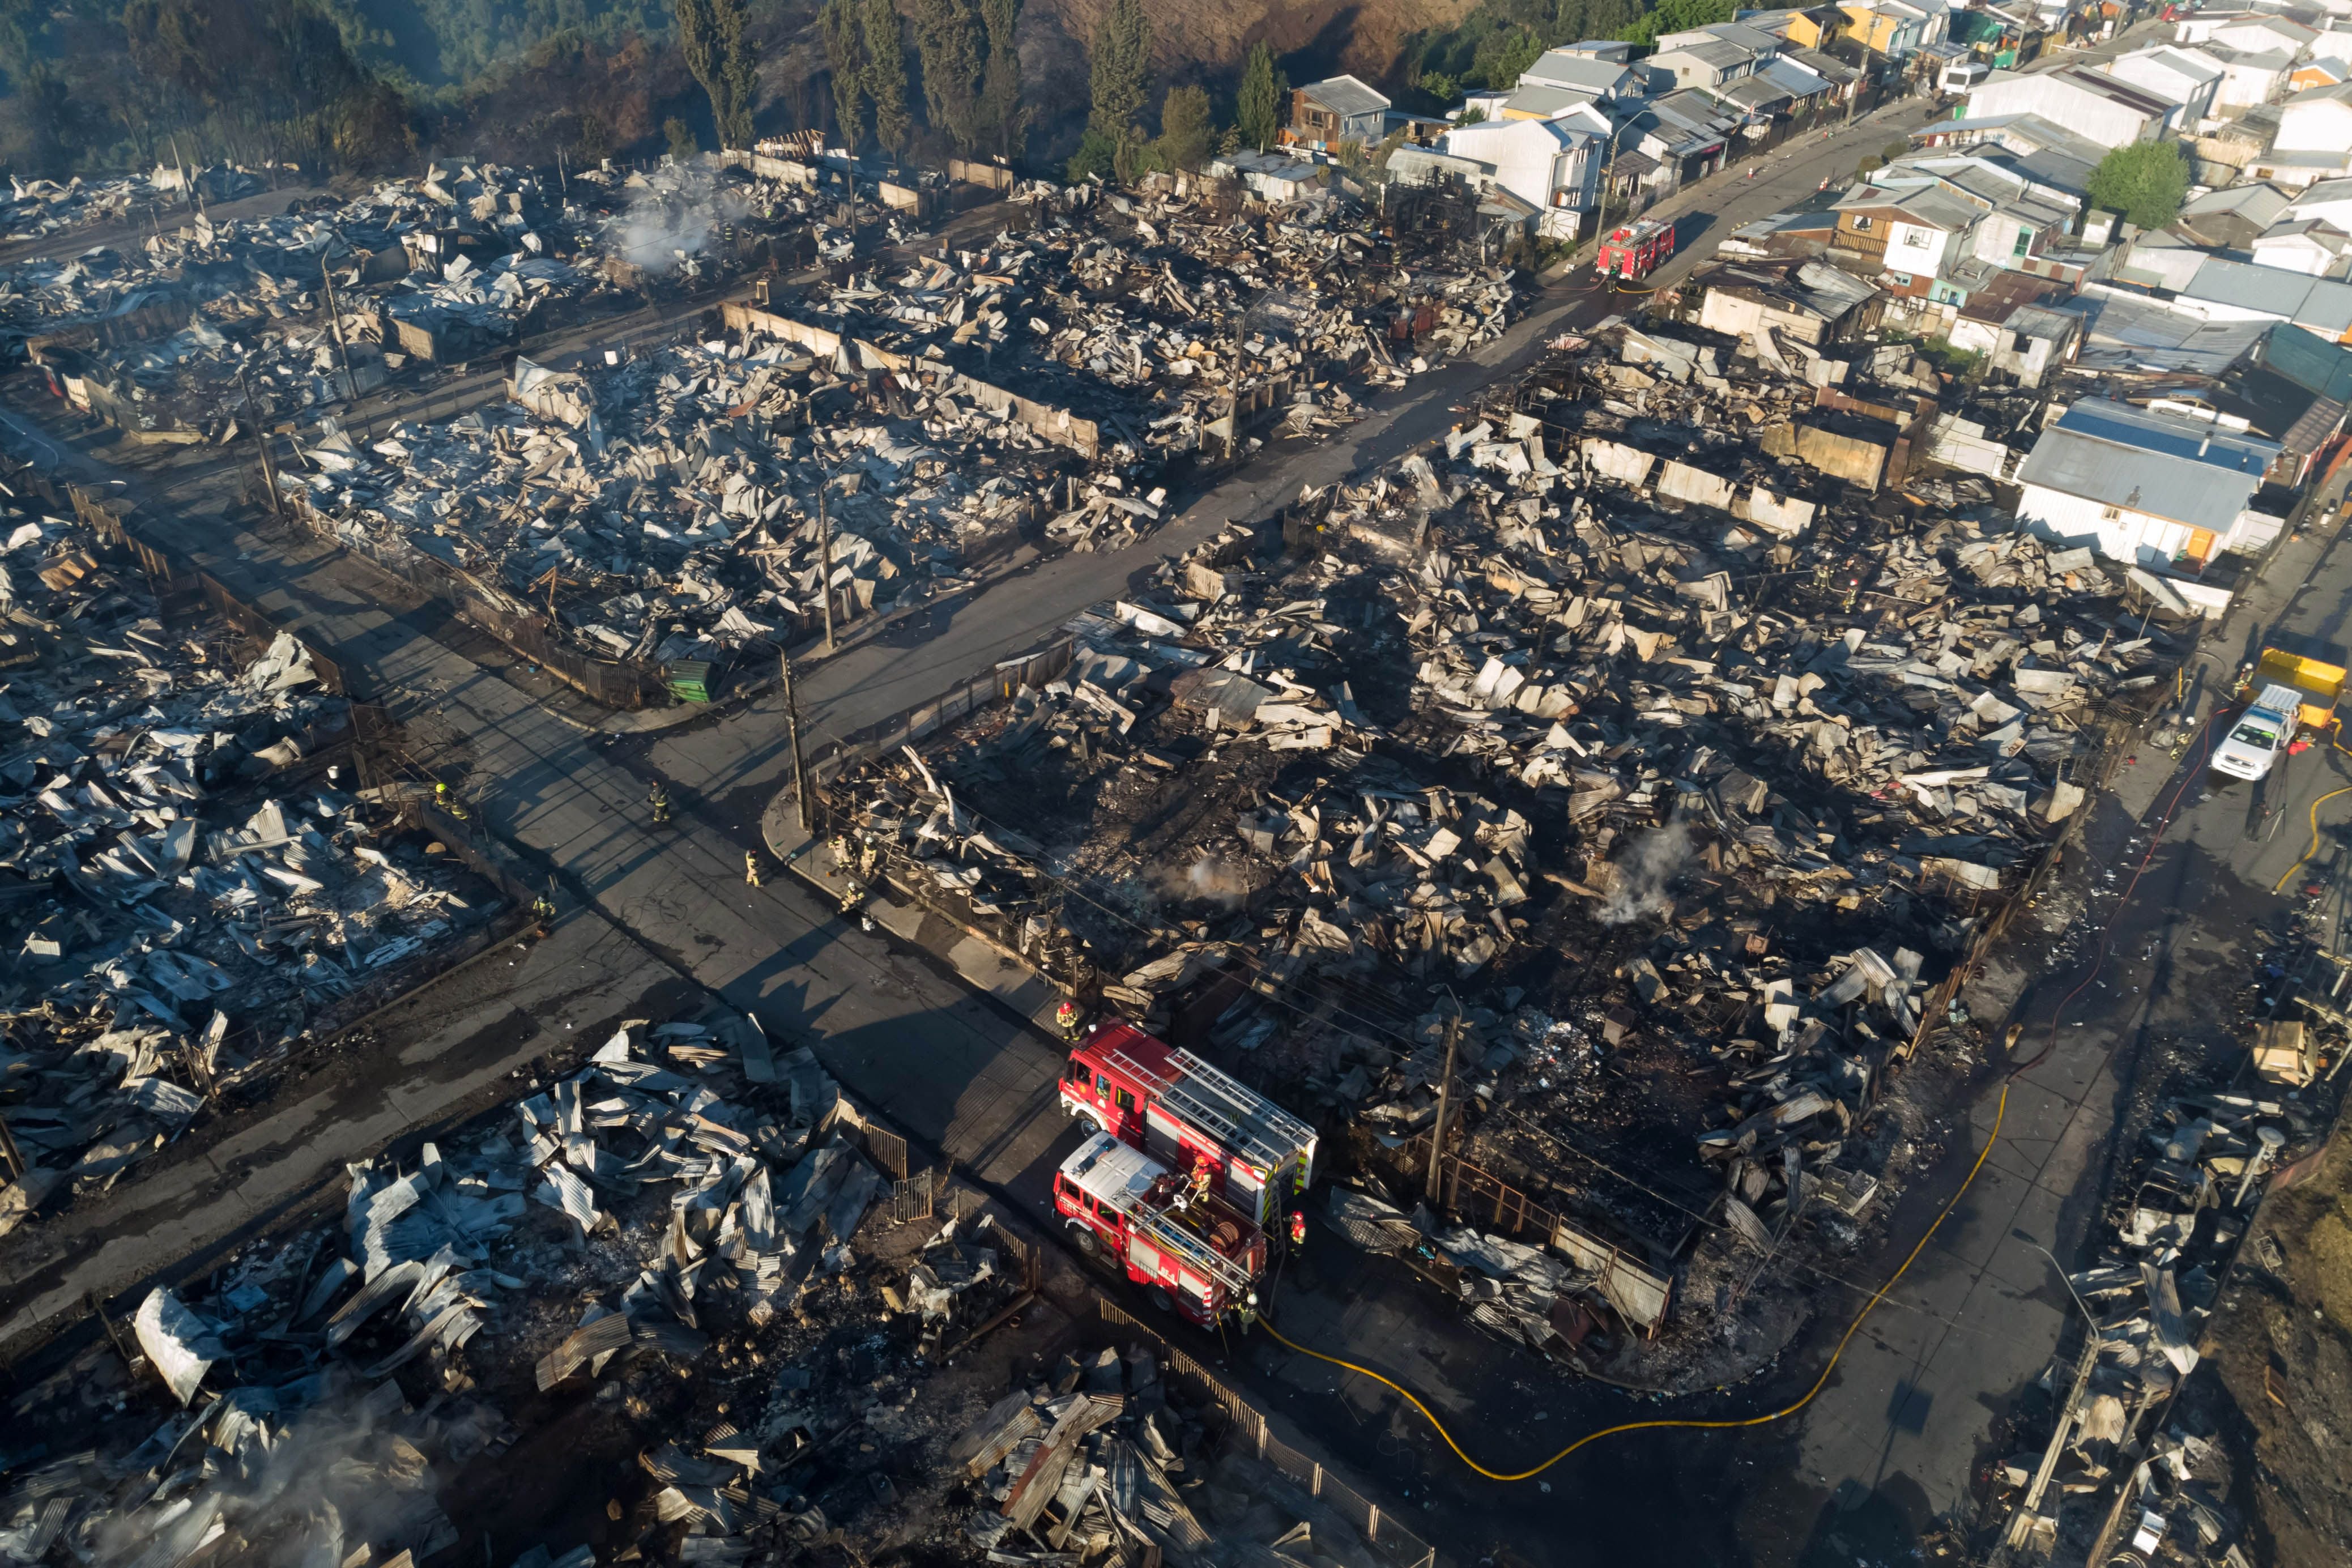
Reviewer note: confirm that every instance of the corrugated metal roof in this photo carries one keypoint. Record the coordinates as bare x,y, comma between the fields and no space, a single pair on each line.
2317,303
1344,95
1558,67
2161,464
1799,82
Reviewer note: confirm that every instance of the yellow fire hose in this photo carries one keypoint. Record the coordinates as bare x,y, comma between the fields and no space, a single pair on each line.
1819,1383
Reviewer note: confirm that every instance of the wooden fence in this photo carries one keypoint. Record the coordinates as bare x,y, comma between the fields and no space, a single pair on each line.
977,690
1394,1543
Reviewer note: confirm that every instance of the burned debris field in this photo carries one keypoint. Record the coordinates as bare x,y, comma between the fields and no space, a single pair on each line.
670,1306
1692,816
196,884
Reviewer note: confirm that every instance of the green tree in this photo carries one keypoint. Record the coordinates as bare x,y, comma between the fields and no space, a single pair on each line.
1003,121
1186,127
2145,182
948,40
681,137
886,74
714,36
1677,16
1119,78
1097,154
844,57
1257,111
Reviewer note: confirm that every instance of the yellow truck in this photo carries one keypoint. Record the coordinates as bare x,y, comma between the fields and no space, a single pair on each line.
2315,684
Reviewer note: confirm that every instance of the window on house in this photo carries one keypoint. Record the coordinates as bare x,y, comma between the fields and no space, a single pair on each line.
2024,238
1862,223
2111,513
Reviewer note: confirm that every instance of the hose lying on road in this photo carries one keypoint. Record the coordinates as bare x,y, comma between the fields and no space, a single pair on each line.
1820,1383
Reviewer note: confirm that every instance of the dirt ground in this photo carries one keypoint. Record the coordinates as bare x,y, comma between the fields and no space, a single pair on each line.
2282,1348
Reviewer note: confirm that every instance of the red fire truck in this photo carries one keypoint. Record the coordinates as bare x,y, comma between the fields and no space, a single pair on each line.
1201,1257
1181,1111
1635,249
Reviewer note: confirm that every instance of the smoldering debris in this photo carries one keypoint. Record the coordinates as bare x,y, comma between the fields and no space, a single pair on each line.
1691,811
1638,886
672,213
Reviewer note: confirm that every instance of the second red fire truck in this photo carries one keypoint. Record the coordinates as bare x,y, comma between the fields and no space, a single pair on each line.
1199,1257
1185,1113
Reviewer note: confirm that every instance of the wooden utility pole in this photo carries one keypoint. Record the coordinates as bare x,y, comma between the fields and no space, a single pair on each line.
793,723
17,1169
342,353
824,557
261,439
1445,1108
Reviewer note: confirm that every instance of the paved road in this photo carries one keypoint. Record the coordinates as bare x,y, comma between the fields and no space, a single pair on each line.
936,649
73,242
954,1067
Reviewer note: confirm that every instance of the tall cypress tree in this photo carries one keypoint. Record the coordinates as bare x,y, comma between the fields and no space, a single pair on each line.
714,36
1121,74
948,41
844,54
1258,108
886,74
1003,121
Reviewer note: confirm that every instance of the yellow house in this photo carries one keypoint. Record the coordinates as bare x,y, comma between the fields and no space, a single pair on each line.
1878,26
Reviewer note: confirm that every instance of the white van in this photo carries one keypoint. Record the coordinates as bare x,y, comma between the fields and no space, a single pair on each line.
1961,76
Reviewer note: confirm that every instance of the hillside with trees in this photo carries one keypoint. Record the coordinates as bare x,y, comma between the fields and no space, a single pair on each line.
1071,87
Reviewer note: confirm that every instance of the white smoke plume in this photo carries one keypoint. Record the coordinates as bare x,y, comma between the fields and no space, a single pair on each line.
1643,876
1208,877
676,213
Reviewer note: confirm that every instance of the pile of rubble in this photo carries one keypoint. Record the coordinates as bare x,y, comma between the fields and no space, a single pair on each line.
428,271
1178,305
1690,804
689,501
39,208
1098,1458
180,893
2121,1438
685,1225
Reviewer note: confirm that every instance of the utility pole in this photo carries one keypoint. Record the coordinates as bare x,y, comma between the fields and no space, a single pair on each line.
16,1156
261,439
793,723
824,557
1445,1107
335,314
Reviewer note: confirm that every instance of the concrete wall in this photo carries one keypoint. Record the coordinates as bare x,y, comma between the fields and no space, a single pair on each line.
745,318
1627,465
1738,316
1847,458
1696,485
972,173
1784,517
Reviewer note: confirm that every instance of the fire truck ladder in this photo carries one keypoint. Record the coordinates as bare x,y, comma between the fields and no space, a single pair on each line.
1170,1236
1242,1118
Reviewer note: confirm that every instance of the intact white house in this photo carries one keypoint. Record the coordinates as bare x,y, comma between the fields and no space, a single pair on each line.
2317,120
2175,75
1553,164
2104,108
2158,491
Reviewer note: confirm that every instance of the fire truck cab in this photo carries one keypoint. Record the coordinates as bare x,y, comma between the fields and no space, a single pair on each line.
1200,1257
1635,249
1183,1112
